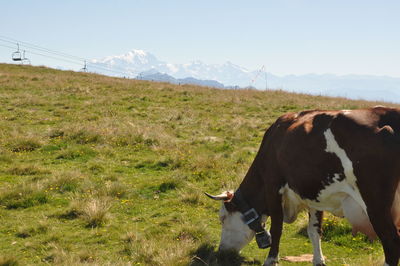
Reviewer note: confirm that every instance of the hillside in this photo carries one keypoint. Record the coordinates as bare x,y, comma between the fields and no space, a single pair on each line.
109,171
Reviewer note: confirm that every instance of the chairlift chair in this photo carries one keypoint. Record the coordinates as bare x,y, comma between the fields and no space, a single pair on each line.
16,56
84,69
25,60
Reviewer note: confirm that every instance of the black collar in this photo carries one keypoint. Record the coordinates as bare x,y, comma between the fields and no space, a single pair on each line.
252,219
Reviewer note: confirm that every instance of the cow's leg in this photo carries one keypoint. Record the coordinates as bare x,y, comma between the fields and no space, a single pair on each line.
387,232
314,233
276,232
378,195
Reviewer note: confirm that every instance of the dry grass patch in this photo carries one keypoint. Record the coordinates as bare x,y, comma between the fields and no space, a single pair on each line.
24,145
96,212
27,170
8,261
148,252
191,197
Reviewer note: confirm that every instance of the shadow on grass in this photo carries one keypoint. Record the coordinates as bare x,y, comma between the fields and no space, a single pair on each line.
303,232
207,255
330,231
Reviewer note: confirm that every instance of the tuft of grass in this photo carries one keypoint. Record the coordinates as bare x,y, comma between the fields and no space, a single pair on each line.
29,231
24,145
146,251
116,189
24,196
96,168
138,140
85,136
8,261
169,185
75,153
95,211
64,182
16,202
167,163
56,133
191,196
26,170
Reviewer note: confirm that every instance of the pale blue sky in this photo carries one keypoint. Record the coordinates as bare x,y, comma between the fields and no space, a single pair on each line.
289,37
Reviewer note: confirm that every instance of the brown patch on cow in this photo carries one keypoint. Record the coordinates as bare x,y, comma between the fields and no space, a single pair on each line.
318,224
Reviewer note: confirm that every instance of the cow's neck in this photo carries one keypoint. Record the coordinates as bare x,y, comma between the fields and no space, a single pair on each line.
253,189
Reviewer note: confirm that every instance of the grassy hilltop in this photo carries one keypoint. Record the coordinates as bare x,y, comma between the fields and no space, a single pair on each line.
110,171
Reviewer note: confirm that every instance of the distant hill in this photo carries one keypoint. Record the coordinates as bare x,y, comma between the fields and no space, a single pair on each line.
231,75
157,76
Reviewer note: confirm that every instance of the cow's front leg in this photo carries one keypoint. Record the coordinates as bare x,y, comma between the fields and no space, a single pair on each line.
314,233
276,232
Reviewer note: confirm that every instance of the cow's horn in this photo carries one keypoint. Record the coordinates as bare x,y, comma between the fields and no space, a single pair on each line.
223,196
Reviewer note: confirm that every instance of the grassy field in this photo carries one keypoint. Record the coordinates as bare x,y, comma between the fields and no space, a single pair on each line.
106,171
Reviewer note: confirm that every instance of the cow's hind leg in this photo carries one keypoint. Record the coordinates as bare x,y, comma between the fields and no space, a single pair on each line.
314,233
378,195
387,232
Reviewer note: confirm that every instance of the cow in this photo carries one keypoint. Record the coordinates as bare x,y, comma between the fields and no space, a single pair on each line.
346,162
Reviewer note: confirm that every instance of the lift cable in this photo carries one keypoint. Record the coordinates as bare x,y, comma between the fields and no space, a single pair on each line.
62,54
71,59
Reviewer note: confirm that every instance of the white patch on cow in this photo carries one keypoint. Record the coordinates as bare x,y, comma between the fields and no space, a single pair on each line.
333,147
235,233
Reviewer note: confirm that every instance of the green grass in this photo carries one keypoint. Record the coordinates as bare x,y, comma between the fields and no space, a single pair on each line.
99,170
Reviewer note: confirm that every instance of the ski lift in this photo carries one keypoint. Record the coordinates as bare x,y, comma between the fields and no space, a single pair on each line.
25,60
84,69
16,56
259,72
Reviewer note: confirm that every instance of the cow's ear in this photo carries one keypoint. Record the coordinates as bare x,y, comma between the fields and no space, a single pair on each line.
225,196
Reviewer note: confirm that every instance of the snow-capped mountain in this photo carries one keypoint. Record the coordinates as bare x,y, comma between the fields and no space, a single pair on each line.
131,63
138,64
137,61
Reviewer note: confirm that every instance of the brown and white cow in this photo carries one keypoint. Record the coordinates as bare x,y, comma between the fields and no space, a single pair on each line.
345,162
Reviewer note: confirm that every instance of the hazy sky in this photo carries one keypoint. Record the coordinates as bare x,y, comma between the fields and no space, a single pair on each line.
289,37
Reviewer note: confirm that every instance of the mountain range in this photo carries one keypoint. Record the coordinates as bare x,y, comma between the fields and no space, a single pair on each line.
143,65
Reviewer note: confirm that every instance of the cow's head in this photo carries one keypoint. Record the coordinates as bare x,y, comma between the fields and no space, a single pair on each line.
235,233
